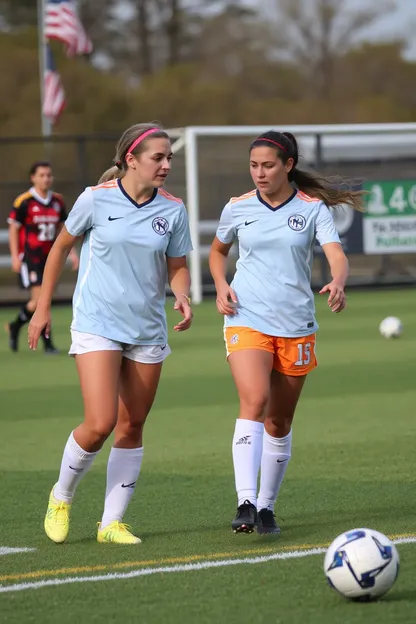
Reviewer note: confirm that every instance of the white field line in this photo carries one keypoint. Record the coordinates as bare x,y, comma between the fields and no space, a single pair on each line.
5,550
189,567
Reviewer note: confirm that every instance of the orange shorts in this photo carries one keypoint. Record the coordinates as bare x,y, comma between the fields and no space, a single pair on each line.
292,356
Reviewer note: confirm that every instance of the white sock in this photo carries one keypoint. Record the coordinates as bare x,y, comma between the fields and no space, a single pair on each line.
247,449
276,456
123,470
75,463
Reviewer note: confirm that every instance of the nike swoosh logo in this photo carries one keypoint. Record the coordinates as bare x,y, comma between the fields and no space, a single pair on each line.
114,218
163,347
250,222
129,485
76,469
280,461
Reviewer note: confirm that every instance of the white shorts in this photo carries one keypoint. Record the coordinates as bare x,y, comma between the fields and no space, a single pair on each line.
83,342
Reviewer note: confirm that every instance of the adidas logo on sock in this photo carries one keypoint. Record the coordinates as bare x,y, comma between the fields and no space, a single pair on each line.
244,440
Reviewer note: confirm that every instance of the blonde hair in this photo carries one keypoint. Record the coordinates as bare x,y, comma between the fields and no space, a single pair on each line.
127,139
329,191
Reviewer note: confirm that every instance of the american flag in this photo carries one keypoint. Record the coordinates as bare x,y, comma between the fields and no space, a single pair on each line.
62,23
54,94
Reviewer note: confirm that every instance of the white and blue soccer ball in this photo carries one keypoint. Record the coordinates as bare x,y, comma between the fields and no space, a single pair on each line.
391,327
361,564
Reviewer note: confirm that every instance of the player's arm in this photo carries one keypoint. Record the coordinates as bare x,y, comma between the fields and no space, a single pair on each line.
338,264
16,220
14,228
327,235
53,268
180,282
179,277
178,273
79,221
218,255
73,254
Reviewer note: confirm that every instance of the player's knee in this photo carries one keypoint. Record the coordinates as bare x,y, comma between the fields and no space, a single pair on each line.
278,427
99,430
253,405
32,304
131,432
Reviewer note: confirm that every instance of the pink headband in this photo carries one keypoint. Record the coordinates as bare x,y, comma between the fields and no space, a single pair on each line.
271,141
141,138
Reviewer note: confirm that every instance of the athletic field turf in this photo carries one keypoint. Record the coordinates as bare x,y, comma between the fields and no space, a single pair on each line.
354,464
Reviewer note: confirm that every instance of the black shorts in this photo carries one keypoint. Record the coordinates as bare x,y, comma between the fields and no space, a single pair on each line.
31,273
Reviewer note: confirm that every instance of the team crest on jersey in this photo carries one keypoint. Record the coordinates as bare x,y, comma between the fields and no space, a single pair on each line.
160,225
296,222
56,206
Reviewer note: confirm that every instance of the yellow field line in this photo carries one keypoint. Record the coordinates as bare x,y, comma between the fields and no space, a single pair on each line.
170,560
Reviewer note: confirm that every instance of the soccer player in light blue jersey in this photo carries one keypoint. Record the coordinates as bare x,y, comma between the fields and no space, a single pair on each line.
269,311
135,239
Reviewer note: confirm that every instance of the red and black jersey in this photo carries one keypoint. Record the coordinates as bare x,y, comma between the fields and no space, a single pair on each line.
22,237
39,219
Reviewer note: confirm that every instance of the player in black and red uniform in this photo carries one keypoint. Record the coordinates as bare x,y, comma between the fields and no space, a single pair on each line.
34,223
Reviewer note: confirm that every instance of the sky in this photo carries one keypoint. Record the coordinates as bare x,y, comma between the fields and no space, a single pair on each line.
401,21
398,23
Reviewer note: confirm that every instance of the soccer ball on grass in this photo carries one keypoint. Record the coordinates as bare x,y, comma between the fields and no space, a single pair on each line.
361,564
391,327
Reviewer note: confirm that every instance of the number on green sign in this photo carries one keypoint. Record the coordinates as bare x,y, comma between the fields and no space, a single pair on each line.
397,200
412,197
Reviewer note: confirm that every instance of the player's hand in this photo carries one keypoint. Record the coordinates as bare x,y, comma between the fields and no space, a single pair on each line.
226,300
336,298
183,305
41,320
16,265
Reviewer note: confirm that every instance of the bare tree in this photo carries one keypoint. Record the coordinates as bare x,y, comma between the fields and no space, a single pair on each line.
315,33
144,39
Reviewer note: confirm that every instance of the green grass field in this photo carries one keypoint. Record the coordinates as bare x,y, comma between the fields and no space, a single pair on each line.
353,464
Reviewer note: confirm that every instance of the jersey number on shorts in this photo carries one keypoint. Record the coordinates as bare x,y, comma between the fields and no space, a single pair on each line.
304,354
46,232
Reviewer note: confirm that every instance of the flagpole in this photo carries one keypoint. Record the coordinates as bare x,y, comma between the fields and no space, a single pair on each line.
42,53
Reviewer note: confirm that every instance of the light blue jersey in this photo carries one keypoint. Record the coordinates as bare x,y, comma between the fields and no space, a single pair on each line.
120,291
273,273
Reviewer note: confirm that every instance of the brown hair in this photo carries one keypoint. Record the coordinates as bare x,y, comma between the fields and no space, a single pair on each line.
313,184
36,165
127,139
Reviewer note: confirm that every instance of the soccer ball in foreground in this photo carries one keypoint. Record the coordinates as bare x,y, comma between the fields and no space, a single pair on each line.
361,564
391,327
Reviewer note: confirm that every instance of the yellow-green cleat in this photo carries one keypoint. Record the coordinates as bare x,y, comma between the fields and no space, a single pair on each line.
116,533
57,519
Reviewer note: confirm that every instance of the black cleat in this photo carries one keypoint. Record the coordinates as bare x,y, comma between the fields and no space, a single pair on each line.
266,522
13,331
48,345
246,518
50,349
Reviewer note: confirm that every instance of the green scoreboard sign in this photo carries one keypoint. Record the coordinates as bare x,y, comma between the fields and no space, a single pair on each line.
389,223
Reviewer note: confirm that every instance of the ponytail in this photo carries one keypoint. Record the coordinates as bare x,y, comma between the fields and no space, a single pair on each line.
111,174
318,186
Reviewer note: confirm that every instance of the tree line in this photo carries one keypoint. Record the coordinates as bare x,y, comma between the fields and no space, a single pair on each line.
223,62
